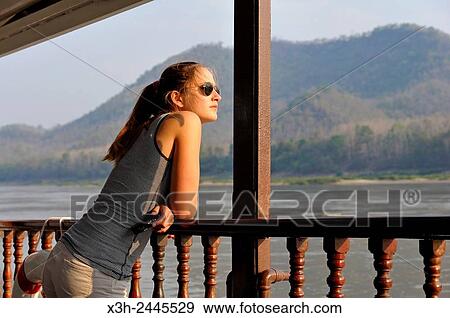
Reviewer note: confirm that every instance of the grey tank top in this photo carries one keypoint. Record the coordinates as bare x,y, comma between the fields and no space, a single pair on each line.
110,236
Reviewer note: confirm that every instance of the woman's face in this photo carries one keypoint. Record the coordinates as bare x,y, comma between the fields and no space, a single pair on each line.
195,99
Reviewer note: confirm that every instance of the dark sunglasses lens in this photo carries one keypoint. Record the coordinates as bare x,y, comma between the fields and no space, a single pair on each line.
208,89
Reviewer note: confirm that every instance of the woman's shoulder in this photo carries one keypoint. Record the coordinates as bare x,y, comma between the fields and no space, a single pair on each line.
185,117
182,122
183,127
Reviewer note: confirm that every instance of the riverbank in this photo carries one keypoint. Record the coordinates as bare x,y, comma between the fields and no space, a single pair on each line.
296,180
365,179
348,179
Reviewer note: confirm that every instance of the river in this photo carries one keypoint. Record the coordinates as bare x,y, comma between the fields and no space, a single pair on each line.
19,202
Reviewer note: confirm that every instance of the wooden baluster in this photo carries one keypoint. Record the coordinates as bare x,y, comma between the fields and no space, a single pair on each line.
383,251
158,243
18,250
183,244
297,248
33,241
7,271
336,249
46,240
432,252
210,248
135,289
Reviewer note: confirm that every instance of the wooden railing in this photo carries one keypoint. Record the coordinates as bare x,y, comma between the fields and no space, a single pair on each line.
431,233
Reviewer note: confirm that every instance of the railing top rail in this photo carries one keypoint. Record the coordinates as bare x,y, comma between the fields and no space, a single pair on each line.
386,227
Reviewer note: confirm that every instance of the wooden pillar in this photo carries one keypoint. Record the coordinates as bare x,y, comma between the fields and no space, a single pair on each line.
383,251
210,249
432,252
18,250
183,244
135,288
336,249
33,241
297,247
47,240
7,271
251,140
158,243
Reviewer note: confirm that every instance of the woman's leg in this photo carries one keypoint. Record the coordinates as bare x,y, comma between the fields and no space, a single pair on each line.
65,276
106,286
47,283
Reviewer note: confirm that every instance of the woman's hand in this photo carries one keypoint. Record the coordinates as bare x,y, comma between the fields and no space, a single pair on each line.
164,221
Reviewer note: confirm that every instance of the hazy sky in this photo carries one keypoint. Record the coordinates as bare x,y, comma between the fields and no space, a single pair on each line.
44,85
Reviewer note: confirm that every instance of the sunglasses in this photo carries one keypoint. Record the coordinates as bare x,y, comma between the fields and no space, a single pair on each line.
208,87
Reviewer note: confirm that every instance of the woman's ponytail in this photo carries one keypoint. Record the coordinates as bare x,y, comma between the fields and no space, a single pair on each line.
148,106
149,103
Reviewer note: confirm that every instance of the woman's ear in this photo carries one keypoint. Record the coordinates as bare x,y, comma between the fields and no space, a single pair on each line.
177,100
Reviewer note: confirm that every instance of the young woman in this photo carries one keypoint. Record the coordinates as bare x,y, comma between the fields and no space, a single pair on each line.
155,153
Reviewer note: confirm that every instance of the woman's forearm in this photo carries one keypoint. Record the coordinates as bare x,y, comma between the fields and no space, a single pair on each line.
183,205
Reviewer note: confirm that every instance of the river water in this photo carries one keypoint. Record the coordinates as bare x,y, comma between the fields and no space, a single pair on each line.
42,201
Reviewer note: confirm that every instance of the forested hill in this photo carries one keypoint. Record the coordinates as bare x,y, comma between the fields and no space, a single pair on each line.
407,86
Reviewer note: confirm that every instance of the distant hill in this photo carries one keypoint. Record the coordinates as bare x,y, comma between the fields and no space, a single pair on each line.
410,81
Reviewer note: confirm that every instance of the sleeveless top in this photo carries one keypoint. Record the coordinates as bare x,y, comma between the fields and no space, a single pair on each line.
110,236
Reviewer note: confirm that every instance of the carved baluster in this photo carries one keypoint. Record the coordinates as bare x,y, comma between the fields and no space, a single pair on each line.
383,251
33,241
46,240
7,271
158,243
135,290
297,248
432,252
210,248
18,250
336,249
183,244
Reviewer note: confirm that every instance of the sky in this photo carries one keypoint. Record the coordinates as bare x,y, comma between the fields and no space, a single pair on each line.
45,85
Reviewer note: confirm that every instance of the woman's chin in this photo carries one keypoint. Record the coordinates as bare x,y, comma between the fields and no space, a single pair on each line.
209,119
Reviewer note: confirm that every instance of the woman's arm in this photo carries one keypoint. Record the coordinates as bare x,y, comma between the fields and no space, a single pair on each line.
185,130
184,184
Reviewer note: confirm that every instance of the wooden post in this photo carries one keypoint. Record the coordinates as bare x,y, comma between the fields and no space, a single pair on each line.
251,163
18,249
183,244
297,247
47,240
33,241
135,288
432,252
158,243
383,251
7,271
210,249
336,249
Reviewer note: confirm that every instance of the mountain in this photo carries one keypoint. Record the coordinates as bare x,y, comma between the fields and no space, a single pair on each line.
382,76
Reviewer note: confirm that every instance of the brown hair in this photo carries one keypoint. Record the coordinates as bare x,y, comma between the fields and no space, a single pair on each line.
153,101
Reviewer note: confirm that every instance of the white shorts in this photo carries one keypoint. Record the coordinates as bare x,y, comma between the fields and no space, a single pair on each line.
67,276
